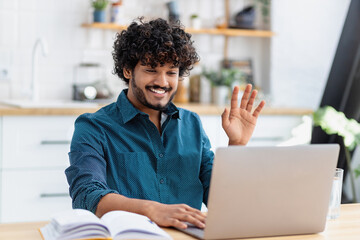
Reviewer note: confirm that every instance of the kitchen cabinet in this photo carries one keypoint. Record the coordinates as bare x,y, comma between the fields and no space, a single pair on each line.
36,142
33,159
33,194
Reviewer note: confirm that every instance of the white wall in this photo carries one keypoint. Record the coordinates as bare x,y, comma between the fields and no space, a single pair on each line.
301,53
58,22
307,34
23,21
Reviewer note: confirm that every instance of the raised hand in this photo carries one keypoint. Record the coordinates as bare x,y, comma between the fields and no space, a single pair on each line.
239,123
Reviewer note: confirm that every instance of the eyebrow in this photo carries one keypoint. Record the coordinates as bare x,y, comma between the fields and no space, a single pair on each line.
171,67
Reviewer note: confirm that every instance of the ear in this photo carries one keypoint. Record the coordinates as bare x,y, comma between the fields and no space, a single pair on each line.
127,73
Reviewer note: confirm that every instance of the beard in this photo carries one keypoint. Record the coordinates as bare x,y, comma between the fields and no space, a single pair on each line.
140,96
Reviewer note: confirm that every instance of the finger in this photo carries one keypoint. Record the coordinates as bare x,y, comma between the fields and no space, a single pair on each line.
175,223
234,97
190,219
251,101
259,108
194,213
188,208
225,118
245,97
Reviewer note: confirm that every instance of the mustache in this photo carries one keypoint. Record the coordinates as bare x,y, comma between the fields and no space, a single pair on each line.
158,87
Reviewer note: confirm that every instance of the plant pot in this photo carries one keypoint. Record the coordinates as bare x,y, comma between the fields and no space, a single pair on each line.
196,23
220,95
99,16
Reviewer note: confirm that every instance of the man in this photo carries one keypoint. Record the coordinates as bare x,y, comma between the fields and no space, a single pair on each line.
142,154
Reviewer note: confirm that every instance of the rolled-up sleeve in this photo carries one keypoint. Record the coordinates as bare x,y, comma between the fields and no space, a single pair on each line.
87,172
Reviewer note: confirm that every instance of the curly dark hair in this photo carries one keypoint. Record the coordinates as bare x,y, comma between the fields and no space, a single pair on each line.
153,43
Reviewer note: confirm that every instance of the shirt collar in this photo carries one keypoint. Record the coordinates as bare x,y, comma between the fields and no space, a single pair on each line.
128,111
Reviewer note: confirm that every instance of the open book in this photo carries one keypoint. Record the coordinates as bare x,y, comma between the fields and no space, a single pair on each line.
83,224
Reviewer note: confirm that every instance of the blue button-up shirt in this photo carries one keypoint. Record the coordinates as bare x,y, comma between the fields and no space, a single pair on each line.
119,150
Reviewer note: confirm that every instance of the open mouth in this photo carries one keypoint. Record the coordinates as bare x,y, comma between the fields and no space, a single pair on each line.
158,90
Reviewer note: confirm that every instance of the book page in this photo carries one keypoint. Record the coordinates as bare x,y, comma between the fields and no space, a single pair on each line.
78,223
75,224
123,225
75,216
49,233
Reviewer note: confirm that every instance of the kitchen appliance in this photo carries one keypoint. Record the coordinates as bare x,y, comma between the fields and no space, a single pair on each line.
90,83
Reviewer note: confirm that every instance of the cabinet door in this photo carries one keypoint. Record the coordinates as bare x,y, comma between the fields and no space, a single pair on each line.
36,142
33,195
272,130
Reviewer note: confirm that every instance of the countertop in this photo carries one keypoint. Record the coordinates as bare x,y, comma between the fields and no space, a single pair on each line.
200,109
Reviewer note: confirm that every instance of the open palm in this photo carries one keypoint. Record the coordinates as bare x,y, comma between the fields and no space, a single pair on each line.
239,122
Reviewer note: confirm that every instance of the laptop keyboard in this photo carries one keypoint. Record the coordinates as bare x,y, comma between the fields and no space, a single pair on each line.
193,231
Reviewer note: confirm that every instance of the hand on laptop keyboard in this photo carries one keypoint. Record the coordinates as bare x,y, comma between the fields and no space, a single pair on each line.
193,230
174,215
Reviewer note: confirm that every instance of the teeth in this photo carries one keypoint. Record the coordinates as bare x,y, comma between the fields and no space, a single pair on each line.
160,91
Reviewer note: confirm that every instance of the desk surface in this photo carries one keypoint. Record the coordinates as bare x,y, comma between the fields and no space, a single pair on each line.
347,227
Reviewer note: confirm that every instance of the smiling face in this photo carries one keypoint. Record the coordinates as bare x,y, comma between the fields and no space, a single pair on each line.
152,88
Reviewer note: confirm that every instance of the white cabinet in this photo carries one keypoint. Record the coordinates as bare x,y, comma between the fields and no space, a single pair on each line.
33,195
36,142
33,160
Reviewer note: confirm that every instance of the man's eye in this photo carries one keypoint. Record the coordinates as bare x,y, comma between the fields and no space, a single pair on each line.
150,70
172,73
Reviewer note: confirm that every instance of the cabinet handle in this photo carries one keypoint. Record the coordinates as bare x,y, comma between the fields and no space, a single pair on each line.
51,195
55,142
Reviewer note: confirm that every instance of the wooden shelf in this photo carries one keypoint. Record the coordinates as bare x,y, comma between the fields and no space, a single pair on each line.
110,26
212,31
231,32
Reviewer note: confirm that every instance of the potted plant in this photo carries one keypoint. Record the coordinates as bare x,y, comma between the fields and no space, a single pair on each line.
264,8
221,82
99,10
195,21
335,122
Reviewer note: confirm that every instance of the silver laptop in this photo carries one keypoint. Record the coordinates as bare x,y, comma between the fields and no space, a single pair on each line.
269,191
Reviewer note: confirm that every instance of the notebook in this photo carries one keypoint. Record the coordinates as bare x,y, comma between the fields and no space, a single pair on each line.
269,191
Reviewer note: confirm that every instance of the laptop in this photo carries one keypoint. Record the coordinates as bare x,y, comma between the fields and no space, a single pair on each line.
268,191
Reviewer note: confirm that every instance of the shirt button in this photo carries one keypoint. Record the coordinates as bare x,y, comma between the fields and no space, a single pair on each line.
161,155
161,181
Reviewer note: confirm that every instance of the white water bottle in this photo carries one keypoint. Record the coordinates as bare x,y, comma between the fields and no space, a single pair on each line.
116,12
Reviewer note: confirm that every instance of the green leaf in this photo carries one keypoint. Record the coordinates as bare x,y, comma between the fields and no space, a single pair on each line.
223,77
357,171
99,4
334,122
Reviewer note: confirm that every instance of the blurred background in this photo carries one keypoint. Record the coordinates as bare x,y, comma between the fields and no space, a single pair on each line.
291,66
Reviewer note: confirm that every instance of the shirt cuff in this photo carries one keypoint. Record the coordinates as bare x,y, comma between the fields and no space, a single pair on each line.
92,198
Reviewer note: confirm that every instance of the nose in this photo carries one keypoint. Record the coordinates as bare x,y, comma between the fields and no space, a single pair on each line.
162,79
